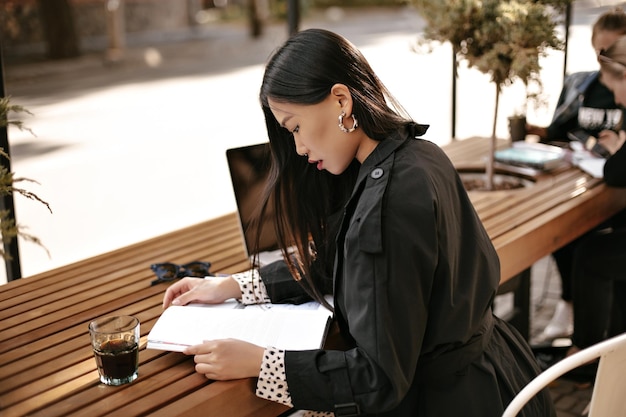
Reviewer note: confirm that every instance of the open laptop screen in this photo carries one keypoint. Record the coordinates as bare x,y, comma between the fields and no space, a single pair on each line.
249,169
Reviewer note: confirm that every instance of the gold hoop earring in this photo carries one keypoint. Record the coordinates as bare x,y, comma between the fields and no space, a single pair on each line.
345,129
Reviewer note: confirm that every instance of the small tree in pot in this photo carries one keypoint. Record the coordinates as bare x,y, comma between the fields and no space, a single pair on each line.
502,38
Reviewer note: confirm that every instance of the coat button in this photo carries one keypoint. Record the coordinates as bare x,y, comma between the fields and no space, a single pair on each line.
377,173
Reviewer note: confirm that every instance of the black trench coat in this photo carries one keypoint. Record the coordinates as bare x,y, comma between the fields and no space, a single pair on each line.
415,277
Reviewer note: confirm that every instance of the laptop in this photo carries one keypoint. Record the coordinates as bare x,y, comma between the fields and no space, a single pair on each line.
249,168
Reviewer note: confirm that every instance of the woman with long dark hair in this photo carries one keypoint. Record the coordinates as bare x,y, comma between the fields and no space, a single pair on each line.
369,212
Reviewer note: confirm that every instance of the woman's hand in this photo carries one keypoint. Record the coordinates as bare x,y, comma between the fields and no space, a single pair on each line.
542,132
214,290
227,359
611,140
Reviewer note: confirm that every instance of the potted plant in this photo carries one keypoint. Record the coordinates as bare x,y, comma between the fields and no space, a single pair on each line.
502,38
517,126
8,227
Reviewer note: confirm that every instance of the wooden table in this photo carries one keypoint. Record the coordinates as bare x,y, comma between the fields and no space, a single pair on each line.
529,223
46,363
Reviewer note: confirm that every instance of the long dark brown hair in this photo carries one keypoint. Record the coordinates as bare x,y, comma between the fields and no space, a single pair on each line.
305,200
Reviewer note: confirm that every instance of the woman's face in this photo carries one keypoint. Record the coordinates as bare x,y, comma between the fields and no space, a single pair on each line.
317,135
603,39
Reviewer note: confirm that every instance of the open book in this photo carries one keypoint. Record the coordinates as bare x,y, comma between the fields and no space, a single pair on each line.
284,326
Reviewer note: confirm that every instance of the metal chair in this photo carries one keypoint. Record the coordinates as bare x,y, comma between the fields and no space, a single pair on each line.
608,398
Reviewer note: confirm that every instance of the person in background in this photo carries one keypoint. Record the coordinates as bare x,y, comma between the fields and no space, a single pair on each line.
370,213
584,103
600,259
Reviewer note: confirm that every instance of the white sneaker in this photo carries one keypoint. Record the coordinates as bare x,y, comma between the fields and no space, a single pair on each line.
562,322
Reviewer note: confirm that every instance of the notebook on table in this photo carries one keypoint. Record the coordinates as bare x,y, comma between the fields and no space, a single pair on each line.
533,155
285,326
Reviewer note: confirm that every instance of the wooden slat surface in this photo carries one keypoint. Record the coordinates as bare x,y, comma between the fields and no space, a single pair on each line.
529,223
46,364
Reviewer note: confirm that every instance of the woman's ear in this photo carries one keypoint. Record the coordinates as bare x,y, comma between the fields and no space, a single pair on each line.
341,94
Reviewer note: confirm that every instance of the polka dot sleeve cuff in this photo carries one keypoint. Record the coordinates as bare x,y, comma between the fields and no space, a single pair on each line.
253,289
272,384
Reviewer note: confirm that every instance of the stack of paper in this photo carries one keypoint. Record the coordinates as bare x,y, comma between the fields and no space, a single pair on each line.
593,166
585,160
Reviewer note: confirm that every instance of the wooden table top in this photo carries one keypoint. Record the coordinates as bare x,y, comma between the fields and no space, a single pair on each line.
46,363
529,223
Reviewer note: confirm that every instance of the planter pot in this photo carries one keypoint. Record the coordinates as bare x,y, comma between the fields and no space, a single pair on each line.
517,128
476,180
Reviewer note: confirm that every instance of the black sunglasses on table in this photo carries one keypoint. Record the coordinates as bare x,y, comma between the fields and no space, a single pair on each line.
167,271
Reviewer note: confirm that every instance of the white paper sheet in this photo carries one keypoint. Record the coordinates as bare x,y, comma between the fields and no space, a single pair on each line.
284,326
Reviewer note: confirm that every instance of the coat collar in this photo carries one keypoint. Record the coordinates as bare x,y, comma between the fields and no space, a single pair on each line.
389,145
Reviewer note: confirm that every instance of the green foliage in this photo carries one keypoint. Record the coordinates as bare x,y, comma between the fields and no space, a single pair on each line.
502,38
5,108
8,228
